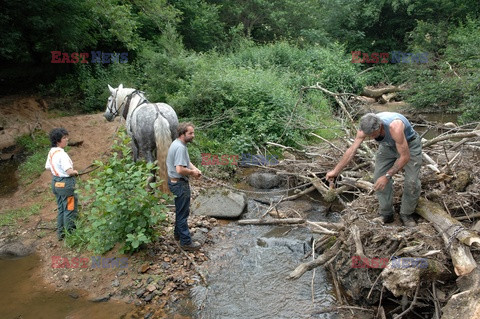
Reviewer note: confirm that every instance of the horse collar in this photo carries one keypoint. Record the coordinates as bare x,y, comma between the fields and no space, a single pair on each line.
127,103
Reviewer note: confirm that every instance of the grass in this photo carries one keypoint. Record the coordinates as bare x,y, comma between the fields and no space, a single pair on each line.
37,147
12,217
33,167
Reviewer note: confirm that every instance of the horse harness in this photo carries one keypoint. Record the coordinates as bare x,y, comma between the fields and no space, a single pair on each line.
127,103
127,107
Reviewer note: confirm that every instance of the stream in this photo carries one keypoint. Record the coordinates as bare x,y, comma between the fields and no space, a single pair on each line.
23,295
246,272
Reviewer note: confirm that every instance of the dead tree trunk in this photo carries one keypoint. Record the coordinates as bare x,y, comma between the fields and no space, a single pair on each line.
435,214
451,230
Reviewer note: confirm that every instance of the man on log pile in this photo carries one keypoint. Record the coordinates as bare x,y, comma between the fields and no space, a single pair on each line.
400,147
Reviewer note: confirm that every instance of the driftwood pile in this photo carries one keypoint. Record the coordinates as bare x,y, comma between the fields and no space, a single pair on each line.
438,276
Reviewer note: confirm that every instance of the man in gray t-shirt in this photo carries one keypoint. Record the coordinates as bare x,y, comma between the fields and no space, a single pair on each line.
179,168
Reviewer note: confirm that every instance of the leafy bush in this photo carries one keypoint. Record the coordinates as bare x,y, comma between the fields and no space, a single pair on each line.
252,94
452,83
119,207
306,66
86,88
463,44
471,109
427,93
252,103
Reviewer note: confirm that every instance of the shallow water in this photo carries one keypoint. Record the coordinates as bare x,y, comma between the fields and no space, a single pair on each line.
8,176
23,295
247,274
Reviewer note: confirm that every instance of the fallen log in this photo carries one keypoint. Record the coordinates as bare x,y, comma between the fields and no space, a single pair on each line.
336,226
464,305
385,98
468,217
435,214
322,259
358,183
321,230
376,93
271,221
358,241
462,258
475,133
306,191
328,194
432,164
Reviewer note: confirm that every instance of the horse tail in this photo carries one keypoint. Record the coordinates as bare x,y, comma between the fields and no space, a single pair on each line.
163,139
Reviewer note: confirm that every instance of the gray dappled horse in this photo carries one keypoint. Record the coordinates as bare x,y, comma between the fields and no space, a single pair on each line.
152,126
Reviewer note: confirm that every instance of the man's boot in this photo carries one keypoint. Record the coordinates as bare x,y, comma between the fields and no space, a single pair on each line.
385,219
408,221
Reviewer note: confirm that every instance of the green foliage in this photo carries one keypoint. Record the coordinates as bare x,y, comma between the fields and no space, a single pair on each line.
200,24
429,37
430,95
253,93
264,53
253,103
166,72
87,88
452,83
36,148
306,66
471,110
32,143
119,206
463,45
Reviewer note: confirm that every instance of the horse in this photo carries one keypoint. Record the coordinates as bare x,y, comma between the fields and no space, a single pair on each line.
152,126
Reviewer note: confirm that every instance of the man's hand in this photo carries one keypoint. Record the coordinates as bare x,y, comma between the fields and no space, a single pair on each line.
380,184
331,176
196,173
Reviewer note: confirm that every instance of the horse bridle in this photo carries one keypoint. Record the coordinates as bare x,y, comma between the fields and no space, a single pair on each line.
111,107
125,101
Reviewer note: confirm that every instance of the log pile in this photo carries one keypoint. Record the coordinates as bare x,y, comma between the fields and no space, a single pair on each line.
445,242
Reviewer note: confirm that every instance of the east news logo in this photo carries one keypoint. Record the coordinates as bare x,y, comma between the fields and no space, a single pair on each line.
95,57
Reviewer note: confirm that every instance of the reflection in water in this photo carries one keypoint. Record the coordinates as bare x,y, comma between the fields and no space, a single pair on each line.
22,295
247,276
8,176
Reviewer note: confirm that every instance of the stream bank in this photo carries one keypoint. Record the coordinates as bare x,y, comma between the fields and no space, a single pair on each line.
172,274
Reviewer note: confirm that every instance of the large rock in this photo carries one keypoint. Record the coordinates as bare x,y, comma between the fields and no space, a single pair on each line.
15,249
220,203
264,180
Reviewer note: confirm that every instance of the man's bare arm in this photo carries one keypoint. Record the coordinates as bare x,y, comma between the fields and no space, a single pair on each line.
347,156
182,170
396,130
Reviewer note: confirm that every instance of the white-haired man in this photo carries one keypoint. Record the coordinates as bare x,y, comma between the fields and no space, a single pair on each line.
400,148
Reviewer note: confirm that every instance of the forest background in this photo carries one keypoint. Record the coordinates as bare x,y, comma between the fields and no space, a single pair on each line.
235,67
